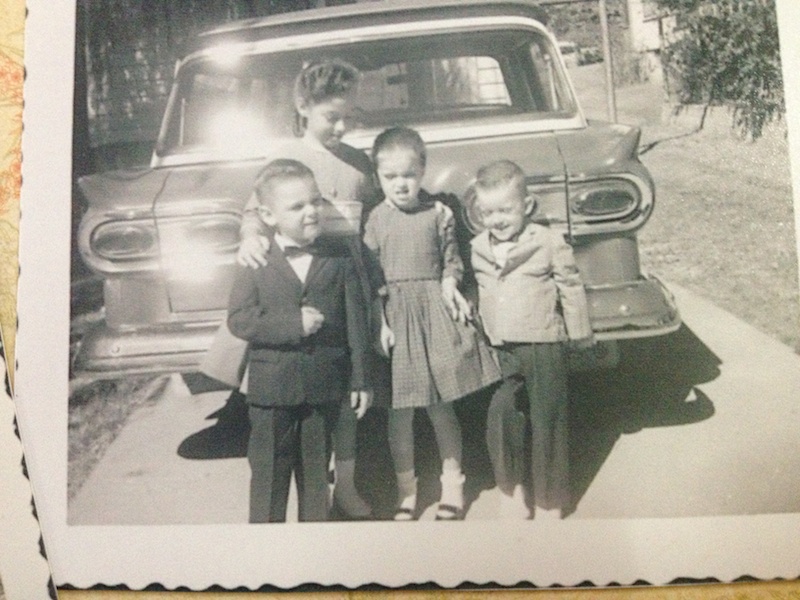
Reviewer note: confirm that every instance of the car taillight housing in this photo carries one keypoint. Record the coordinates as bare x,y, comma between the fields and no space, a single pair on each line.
599,205
604,199
178,243
133,240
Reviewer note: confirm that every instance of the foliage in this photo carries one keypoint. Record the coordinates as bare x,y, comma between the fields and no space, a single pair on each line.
726,52
128,54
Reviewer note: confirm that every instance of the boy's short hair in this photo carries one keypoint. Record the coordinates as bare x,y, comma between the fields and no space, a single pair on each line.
278,171
399,137
501,173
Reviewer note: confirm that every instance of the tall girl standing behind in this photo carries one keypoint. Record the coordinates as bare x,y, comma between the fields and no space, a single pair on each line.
436,356
324,99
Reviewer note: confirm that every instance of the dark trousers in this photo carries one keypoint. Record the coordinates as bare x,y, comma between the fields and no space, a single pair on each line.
534,381
284,439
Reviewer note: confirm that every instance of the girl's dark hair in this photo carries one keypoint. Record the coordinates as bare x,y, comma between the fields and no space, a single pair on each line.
399,137
320,80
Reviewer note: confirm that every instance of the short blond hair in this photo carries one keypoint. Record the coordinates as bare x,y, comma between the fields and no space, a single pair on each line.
278,171
501,173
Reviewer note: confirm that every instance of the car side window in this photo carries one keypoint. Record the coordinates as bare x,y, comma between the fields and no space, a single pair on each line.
549,87
439,83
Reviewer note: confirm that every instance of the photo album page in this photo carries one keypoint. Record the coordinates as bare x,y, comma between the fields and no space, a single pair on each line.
397,294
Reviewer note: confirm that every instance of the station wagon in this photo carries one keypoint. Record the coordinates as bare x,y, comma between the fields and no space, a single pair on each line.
479,80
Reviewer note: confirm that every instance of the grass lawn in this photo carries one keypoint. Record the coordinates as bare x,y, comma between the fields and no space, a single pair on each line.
97,413
723,225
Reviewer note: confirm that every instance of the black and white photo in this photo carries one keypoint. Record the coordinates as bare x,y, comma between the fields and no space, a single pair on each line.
546,288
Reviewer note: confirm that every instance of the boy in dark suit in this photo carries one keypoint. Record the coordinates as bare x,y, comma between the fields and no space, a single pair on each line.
305,316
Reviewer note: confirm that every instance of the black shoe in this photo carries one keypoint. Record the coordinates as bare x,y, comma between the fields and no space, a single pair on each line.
448,512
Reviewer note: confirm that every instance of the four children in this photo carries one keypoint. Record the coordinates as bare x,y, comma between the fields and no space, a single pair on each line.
303,307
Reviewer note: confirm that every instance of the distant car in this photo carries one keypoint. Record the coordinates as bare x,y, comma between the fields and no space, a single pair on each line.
589,55
570,52
479,80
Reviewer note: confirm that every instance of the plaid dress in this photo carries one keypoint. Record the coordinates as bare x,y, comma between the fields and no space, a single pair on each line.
435,359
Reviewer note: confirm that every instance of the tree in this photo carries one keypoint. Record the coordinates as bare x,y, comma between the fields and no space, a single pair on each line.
726,52
124,61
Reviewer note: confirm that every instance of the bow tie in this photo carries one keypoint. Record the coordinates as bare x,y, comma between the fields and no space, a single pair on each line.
297,251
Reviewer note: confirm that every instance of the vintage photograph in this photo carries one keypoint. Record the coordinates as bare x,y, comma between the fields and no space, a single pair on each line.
319,267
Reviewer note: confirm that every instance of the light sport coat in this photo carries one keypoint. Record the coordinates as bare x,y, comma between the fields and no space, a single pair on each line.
538,296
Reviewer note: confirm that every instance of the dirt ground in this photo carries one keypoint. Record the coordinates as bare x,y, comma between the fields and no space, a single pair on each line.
723,225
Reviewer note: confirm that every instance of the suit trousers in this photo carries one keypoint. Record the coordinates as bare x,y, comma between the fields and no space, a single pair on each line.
286,439
534,382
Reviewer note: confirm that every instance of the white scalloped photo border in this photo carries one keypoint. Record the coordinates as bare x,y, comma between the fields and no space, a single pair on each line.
348,554
23,566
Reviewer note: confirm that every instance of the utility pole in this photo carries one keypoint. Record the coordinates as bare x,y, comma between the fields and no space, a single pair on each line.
611,100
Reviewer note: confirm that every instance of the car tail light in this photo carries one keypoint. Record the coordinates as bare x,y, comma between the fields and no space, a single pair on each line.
215,233
132,240
191,247
604,199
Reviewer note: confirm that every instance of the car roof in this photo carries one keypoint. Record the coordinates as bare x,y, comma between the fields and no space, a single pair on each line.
353,15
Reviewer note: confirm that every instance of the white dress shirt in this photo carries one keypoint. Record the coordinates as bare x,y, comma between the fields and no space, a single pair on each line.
300,264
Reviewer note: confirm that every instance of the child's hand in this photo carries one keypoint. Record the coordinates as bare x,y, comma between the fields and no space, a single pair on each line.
458,307
253,251
360,401
387,339
312,320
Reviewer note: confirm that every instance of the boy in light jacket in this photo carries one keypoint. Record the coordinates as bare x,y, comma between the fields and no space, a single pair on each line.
531,301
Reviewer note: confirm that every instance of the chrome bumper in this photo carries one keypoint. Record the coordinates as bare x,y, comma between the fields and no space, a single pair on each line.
105,353
641,308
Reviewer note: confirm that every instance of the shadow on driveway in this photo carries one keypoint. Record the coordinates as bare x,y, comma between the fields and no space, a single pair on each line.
654,386
226,438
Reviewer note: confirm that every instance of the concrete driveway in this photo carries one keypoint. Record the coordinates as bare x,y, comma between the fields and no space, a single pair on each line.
698,423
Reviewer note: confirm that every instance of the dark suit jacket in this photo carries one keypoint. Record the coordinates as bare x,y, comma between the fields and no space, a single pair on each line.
287,368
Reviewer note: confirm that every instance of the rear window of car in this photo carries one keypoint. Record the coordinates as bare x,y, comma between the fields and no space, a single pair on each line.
415,80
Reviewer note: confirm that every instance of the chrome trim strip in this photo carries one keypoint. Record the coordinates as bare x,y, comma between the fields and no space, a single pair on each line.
368,32
363,139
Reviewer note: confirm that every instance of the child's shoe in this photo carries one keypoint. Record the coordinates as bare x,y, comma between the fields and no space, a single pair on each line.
407,492
346,499
513,507
451,502
407,509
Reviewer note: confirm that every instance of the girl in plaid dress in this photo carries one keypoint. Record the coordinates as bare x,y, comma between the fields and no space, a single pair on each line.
437,357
